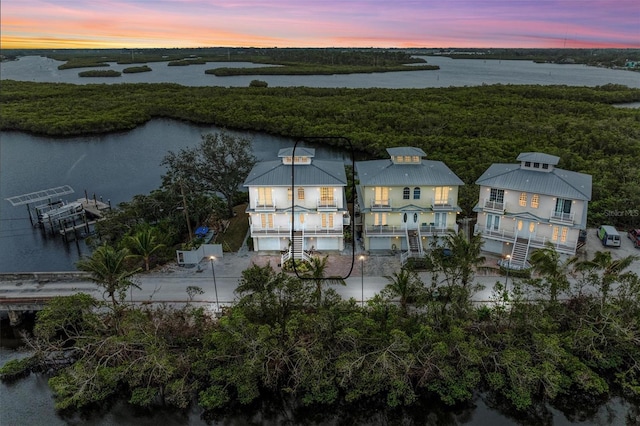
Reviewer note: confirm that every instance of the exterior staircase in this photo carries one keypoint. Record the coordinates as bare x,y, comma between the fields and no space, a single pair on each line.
297,245
519,254
415,246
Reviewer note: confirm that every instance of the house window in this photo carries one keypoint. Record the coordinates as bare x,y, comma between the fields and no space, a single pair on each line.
523,199
289,194
400,159
493,222
379,218
407,158
563,235
416,159
415,218
536,165
300,193
535,201
416,193
406,193
440,220
532,227
520,224
266,220
326,194
545,166
404,218
381,195
527,163
496,195
563,207
327,220
265,197
554,236
441,195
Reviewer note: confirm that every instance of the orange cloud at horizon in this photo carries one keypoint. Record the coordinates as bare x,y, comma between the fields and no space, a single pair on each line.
327,23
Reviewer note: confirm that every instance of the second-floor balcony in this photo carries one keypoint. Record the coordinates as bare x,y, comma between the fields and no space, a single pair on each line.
495,233
384,230
265,206
494,206
322,230
428,229
327,205
443,204
561,217
269,231
383,205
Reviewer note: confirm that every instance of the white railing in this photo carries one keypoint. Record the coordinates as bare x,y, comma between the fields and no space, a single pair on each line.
561,217
496,234
383,230
289,254
326,204
432,229
566,247
443,204
265,207
498,206
381,205
322,230
268,231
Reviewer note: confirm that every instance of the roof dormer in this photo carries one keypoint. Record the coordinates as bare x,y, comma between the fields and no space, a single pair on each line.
537,161
301,156
406,155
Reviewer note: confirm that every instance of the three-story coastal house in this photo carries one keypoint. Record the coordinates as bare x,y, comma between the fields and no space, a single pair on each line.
523,206
405,201
297,203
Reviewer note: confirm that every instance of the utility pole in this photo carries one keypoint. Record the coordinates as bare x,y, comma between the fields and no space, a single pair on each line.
186,211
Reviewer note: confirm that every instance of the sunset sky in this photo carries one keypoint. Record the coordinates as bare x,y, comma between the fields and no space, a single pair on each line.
319,23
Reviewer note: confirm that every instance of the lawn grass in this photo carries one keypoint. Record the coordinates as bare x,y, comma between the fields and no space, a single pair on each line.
236,232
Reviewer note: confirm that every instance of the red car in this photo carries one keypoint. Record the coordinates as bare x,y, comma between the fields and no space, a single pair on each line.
634,235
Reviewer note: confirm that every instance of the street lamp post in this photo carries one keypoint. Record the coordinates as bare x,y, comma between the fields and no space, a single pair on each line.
215,286
362,278
506,279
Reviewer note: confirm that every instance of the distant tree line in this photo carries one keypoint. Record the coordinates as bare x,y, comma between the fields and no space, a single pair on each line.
466,127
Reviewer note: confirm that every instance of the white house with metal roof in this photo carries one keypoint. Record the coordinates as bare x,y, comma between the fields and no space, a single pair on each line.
300,196
405,201
523,206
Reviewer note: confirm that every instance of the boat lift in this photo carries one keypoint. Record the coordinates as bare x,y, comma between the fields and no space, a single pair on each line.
48,195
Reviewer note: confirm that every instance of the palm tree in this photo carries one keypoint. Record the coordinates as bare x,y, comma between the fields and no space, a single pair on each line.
465,255
405,285
109,270
143,244
611,269
548,263
317,271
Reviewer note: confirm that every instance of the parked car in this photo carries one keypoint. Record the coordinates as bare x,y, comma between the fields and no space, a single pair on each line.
634,236
608,235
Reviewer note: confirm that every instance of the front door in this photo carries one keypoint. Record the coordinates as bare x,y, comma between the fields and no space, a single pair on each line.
525,228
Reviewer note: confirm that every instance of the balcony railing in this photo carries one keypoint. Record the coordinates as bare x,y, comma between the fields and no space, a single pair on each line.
384,230
495,234
381,205
320,230
260,231
433,229
565,247
495,206
263,206
443,204
561,217
327,205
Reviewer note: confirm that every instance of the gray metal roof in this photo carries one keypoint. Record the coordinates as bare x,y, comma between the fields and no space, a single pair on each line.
406,150
300,152
318,173
557,182
538,157
386,173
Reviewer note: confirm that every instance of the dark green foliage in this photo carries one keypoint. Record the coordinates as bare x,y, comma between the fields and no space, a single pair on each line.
133,70
100,73
467,127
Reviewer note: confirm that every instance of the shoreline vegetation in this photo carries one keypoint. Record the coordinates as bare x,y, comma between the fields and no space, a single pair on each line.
288,339
100,73
468,128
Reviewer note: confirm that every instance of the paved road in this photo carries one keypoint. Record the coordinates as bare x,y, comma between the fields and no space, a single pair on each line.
170,284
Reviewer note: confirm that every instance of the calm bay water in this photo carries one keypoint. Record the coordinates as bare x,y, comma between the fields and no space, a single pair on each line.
117,166
452,72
